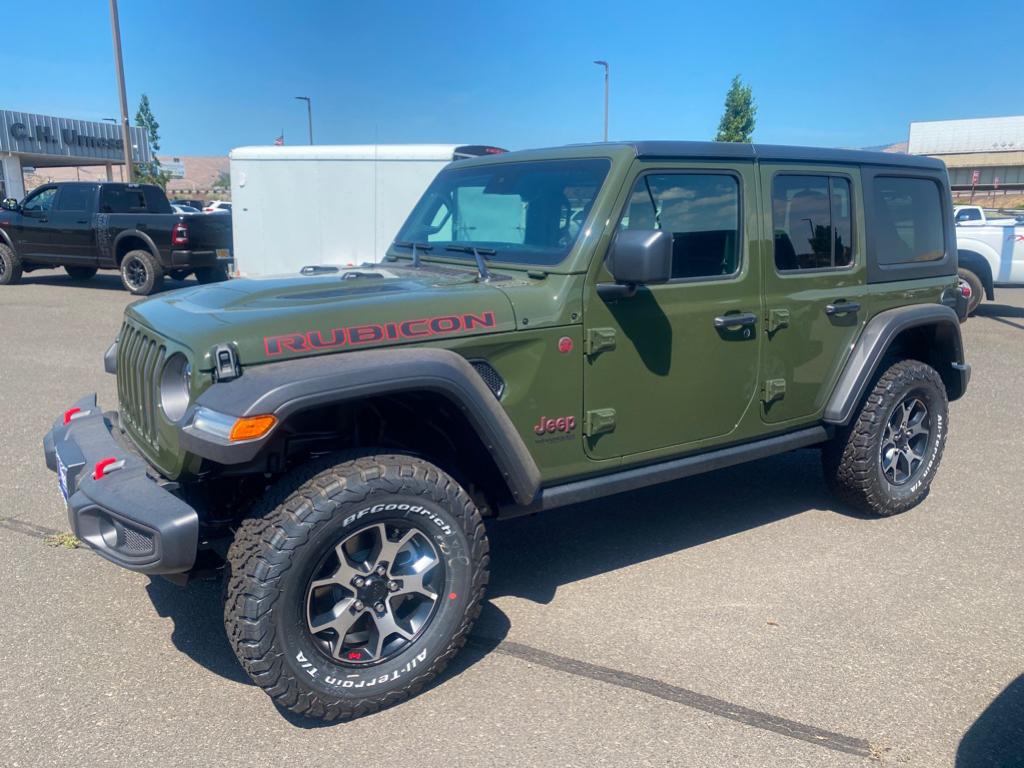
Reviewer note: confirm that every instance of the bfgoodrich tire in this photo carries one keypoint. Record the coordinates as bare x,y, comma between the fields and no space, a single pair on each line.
354,583
141,273
884,462
10,266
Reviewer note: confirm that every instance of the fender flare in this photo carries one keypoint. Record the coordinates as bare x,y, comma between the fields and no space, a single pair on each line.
290,386
875,340
133,233
974,258
6,240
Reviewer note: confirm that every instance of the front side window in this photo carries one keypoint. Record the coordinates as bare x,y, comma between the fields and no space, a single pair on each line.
907,222
701,210
526,212
812,219
42,201
968,214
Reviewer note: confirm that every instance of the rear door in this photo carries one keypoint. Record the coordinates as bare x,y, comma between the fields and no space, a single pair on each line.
74,239
666,369
814,285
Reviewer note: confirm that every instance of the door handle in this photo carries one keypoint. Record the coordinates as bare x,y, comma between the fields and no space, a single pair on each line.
732,321
82,221
842,308
43,220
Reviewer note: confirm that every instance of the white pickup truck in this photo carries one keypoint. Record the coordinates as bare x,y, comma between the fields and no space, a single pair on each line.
991,251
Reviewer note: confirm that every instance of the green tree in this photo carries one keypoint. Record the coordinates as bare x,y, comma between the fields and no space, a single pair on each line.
740,114
150,173
223,180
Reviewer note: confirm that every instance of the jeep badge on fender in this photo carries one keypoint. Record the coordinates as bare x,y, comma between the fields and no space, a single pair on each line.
368,422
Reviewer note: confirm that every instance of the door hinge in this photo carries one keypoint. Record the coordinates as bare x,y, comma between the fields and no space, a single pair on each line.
777,318
599,340
599,421
773,389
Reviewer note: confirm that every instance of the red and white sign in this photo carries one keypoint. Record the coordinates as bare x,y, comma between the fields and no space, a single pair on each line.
975,177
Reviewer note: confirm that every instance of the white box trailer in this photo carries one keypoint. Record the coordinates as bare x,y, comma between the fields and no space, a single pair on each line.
341,205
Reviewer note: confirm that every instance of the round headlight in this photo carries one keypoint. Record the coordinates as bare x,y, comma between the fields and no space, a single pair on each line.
174,386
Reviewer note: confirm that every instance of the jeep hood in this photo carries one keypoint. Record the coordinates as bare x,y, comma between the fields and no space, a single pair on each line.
270,319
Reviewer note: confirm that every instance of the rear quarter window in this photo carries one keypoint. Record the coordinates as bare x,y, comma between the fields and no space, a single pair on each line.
909,226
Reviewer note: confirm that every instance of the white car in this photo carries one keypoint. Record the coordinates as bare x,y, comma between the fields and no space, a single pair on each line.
990,251
184,208
218,206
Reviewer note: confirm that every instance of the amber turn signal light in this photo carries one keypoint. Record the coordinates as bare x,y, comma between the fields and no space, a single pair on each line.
251,427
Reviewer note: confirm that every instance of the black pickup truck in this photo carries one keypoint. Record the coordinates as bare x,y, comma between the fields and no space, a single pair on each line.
86,226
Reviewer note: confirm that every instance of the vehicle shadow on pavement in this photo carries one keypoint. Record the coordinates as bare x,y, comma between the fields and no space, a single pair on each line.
531,557
996,738
103,281
999,313
198,615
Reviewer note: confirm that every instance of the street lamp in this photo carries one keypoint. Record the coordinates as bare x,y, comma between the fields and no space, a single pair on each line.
309,111
126,138
605,65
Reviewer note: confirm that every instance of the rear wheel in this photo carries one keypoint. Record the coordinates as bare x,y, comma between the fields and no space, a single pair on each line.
355,583
977,289
141,274
218,273
884,462
81,273
10,266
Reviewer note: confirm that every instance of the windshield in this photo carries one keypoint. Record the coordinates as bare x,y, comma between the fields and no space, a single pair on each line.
528,212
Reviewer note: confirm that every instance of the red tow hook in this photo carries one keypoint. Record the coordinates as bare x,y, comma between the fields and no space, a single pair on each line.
105,466
73,413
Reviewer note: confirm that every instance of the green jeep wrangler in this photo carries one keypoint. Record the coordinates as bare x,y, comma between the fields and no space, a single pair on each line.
548,327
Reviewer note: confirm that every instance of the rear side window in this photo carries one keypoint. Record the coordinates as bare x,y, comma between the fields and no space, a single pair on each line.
122,200
812,219
76,198
701,210
968,214
907,225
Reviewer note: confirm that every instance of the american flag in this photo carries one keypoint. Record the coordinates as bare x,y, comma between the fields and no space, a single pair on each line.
279,141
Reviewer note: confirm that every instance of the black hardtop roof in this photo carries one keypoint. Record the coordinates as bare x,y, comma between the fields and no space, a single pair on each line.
721,150
778,152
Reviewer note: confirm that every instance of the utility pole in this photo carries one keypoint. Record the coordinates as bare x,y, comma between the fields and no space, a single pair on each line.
309,111
126,134
605,65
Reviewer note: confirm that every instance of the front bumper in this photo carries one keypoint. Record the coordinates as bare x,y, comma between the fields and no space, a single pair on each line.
126,515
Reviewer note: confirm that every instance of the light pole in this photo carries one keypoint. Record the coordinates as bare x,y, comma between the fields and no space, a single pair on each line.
309,111
126,137
605,65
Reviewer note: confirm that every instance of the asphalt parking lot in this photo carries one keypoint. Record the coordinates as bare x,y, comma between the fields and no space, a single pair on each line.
734,619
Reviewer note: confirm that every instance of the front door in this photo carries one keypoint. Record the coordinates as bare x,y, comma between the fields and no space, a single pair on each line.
32,235
675,365
814,286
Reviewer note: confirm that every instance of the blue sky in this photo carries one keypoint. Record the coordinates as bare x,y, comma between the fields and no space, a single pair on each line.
224,73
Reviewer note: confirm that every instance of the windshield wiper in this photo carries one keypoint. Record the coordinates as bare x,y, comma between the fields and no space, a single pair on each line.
478,254
416,247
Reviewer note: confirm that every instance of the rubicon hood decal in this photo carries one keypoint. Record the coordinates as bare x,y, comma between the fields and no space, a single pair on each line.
373,333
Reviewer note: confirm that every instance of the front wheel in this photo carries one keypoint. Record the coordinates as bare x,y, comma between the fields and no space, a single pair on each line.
10,266
883,462
352,585
141,273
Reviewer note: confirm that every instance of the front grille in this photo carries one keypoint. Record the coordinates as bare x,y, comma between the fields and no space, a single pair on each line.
140,359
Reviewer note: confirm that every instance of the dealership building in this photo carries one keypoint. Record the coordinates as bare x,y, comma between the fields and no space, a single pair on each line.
28,142
986,154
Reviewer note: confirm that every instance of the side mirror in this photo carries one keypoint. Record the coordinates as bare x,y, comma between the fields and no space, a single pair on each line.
641,257
10,204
